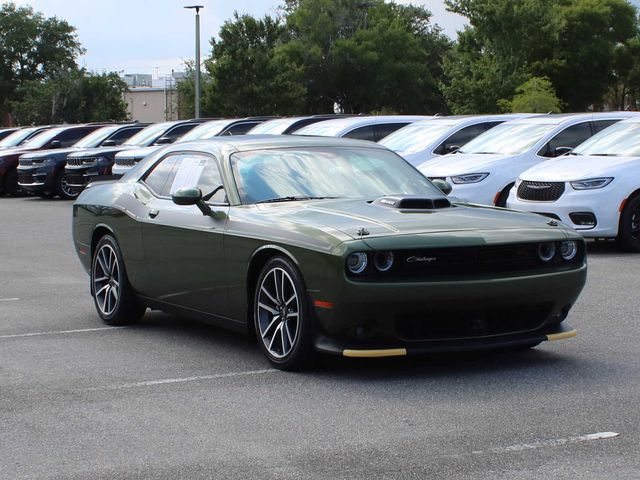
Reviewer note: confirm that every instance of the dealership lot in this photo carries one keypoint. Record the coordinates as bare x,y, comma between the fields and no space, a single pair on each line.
175,399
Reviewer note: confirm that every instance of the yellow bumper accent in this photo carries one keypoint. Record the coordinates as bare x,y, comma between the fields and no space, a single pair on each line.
389,352
562,336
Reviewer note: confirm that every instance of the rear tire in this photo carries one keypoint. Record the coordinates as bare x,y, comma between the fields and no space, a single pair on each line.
62,188
282,316
113,296
629,229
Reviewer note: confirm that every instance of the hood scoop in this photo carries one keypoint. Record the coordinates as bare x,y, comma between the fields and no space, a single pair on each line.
412,203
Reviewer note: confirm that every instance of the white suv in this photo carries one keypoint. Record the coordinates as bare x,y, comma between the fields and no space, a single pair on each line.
431,138
595,189
485,169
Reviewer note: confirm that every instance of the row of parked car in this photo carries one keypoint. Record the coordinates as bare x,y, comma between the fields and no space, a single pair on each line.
581,169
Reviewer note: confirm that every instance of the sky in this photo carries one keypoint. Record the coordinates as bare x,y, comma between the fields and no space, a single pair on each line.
157,36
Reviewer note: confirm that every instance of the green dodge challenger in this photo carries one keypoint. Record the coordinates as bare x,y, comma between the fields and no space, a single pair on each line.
322,245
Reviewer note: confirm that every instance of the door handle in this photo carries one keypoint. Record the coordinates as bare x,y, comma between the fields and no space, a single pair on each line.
153,213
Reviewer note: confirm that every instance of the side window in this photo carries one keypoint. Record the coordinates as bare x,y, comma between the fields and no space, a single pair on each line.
362,133
462,136
599,125
240,128
159,179
122,135
69,137
179,131
384,129
569,137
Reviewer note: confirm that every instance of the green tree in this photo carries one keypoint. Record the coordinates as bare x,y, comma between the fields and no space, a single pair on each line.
248,77
536,95
365,55
71,97
572,42
32,47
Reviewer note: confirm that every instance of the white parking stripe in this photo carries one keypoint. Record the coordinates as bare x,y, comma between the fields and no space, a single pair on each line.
60,332
557,442
9,299
166,381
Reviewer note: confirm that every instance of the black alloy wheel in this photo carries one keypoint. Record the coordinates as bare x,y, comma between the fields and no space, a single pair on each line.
113,296
629,229
282,316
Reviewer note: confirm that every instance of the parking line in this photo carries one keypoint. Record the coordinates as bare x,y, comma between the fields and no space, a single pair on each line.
9,299
166,381
60,332
557,442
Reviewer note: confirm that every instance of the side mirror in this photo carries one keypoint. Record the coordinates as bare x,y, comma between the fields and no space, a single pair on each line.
453,148
562,151
109,143
191,196
55,144
443,185
164,141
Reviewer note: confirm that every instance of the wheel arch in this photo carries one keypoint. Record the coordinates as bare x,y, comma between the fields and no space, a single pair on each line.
99,231
258,260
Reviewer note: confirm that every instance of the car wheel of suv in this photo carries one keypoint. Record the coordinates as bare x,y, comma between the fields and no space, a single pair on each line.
282,315
11,184
629,230
113,296
62,188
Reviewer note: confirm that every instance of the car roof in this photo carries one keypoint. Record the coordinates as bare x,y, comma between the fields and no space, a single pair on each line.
242,143
567,118
456,120
343,123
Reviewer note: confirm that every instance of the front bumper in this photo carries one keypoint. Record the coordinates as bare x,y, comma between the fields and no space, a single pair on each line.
37,178
447,314
603,204
79,177
481,193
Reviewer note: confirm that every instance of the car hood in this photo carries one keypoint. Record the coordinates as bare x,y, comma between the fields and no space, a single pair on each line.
462,163
580,168
351,216
94,152
138,152
16,151
50,153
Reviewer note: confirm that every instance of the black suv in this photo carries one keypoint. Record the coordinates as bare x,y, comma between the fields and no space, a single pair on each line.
42,173
82,167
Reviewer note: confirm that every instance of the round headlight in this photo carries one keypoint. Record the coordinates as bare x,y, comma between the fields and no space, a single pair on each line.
569,250
357,262
383,261
546,251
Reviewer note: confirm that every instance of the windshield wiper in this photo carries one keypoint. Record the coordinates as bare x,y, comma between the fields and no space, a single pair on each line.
292,199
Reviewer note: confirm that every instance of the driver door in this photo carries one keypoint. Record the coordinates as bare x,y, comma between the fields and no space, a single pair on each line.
183,248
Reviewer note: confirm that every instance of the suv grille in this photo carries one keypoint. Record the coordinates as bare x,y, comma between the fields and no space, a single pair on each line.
74,162
25,163
126,162
540,191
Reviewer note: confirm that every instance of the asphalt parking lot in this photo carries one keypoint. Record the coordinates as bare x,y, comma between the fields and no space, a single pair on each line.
175,399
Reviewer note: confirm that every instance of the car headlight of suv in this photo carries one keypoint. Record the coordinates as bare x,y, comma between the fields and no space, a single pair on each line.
591,183
469,178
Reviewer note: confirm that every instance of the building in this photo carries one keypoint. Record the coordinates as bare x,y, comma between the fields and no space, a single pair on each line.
152,101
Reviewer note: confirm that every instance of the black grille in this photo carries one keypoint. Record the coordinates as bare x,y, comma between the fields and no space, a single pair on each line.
25,178
126,162
540,191
76,162
453,324
25,162
76,179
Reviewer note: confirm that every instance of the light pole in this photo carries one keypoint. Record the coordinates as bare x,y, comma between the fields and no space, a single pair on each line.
197,9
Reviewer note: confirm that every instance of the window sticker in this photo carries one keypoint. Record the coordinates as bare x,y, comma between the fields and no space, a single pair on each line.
188,174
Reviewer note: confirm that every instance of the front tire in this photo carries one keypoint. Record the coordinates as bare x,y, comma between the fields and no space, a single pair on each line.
62,188
629,229
113,296
282,316
11,184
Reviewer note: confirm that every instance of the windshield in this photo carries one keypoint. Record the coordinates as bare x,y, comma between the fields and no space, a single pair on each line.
43,138
17,137
325,172
273,127
206,130
619,140
417,137
147,136
96,138
508,138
